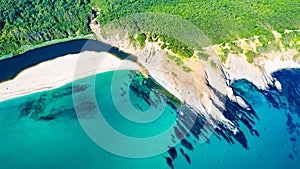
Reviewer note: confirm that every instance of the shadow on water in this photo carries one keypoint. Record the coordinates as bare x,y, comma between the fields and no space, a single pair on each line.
191,126
188,126
287,99
13,66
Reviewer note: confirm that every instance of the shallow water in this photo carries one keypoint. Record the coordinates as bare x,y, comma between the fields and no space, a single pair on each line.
42,130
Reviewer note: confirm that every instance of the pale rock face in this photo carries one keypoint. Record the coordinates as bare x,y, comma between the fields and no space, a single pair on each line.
278,85
236,99
241,102
202,87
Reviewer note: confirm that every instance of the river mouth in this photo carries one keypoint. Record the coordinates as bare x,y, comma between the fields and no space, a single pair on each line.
11,67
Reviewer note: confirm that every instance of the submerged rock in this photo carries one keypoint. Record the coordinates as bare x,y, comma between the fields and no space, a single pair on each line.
188,159
173,153
169,162
187,144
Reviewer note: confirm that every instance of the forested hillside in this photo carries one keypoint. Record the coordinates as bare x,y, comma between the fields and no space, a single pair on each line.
27,22
221,21
31,22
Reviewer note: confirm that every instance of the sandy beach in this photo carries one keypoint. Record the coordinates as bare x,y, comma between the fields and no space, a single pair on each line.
195,87
60,71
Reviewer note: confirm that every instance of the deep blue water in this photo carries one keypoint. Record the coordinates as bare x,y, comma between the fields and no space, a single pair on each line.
42,130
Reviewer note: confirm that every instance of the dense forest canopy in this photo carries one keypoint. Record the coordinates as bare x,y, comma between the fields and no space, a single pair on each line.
27,22
221,21
31,22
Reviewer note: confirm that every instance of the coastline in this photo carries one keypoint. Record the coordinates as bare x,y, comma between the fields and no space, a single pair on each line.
260,72
58,72
208,81
190,87
196,88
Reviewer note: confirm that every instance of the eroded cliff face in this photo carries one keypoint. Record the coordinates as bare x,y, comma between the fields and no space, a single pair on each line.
196,83
259,72
204,85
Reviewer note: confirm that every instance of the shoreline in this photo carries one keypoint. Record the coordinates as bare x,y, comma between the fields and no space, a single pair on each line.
206,79
190,87
197,88
58,72
260,72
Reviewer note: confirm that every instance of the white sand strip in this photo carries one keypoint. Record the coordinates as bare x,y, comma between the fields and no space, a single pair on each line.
60,71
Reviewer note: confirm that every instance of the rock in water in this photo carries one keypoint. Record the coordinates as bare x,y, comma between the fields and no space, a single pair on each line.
187,144
173,153
170,162
188,159
182,152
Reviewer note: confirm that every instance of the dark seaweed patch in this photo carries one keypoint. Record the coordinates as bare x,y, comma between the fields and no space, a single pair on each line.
187,144
222,131
291,156
169,162
26,107
79,88
182,151
35,108
188,159
139,107
47,118
240,137
173,153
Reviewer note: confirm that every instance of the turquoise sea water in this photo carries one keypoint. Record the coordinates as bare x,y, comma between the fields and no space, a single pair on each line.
42,130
